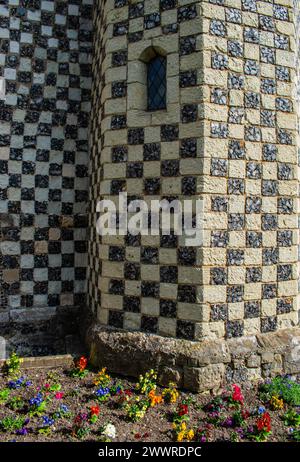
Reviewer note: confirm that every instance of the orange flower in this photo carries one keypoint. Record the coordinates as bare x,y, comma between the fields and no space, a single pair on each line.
95,410
154,399
82,363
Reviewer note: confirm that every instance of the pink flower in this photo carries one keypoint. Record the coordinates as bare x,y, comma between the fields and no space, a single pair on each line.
47,385
59,395
237,394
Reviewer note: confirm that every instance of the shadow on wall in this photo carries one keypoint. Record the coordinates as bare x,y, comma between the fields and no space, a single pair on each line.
40,331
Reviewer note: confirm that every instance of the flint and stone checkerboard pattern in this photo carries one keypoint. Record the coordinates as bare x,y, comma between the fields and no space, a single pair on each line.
228,136
45,58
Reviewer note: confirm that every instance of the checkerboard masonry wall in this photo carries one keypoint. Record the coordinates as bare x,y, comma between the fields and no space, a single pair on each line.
229,135
45,57
224,311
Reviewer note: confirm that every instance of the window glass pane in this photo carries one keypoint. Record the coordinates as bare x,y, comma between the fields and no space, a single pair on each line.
157,83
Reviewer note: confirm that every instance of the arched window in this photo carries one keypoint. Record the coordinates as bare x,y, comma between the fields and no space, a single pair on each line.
157,83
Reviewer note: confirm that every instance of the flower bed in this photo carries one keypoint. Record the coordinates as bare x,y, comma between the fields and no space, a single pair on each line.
85,405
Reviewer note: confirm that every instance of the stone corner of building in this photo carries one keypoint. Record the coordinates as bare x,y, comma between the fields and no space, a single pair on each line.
197,366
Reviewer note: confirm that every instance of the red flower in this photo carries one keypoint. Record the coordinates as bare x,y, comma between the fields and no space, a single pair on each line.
59,395
95,410
78,419
138,436
264,422
183,409
237,394
245,414
82,363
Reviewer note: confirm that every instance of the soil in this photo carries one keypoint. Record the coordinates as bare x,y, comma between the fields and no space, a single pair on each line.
156,426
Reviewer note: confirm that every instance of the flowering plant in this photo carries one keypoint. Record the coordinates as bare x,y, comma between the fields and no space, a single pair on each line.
82,363
116,388
23,430
182,432
123,397
94,413
102,379
47,423
18,383
181,414
236,398
239,417
102,394
228,422
229,400
237,435
217,404
37,405
13,364
171,393
80,428
261,410
283,387
264,422
147,382
80,369
262,428
276,403
154,399
136,410
107,432
63,411
202,434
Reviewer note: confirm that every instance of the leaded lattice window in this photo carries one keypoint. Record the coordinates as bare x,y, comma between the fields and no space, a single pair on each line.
157,83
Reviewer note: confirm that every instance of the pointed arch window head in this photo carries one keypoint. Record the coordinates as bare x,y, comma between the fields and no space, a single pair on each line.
157,83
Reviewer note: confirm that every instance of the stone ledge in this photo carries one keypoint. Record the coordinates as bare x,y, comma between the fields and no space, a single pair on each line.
197,366
42,362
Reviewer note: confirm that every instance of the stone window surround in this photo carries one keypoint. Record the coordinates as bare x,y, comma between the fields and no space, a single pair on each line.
137,81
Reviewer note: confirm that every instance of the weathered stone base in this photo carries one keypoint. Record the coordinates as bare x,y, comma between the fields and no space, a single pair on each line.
196,366
40,331
43,362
